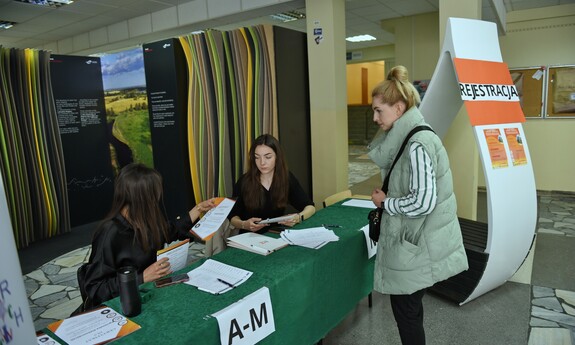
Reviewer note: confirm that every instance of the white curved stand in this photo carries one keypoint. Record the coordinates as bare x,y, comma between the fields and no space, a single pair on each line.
511,192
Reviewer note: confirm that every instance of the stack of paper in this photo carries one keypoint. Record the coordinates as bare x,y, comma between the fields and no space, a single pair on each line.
256,243
314,238
216,277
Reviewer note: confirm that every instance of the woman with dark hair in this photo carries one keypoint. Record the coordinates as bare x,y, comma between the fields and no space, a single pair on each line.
130,235
267,188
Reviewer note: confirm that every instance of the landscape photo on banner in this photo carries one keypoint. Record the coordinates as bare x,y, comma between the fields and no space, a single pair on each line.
127,114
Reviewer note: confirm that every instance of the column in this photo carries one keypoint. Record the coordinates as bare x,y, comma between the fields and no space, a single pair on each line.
328,96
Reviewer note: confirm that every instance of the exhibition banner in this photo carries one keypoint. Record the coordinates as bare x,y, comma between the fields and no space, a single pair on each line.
166,88
79,98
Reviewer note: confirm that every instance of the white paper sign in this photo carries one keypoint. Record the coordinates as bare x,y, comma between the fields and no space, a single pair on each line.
247,321
16,324
371,246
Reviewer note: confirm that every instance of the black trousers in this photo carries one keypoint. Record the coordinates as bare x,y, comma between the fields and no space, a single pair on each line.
408,313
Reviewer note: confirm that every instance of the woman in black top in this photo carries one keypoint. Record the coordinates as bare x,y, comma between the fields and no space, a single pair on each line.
267,188
133,231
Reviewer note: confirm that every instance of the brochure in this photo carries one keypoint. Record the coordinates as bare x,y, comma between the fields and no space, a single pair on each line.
95,327
177,254
213,219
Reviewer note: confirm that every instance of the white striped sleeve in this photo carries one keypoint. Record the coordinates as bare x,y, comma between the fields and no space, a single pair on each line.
422,186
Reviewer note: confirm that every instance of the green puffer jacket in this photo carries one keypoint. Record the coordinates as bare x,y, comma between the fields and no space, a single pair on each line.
415,253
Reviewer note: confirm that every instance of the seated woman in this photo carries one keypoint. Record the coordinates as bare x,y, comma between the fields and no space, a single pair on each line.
130,235
267,188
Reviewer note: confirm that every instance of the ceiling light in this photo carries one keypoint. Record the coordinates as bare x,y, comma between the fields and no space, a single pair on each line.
360,38
4,24
49,3
288,16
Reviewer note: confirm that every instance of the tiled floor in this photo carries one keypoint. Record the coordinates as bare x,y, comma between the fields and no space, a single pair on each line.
53,292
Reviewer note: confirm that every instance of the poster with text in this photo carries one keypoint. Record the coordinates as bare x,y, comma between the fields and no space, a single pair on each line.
516,149
79,99
496,148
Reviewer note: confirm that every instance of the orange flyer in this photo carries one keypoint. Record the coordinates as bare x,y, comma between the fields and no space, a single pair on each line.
496,148
488,92
516,149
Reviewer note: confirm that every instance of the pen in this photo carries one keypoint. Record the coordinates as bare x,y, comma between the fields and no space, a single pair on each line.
225,282
331,226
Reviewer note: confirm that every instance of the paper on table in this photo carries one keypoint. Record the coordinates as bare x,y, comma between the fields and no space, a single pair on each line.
213,219
314,238
177,254
216,277
359,203
95,327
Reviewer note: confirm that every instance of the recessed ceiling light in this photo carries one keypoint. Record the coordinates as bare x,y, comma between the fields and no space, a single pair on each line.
49,3
360,38
4,24
288,16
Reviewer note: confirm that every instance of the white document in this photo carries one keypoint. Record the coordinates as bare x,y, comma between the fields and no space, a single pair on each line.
96,327
256,243
216,277
371,245
213,219
247,321
314,238
359,203
276,219
177,254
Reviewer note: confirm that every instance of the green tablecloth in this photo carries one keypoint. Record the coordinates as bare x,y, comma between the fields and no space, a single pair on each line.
311,291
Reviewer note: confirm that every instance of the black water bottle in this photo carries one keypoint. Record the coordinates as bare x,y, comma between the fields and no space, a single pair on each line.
129,295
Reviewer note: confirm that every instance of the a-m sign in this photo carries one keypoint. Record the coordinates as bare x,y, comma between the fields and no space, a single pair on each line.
247,321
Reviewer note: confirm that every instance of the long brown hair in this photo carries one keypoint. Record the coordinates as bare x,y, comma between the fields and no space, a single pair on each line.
252,189
397,87
138,189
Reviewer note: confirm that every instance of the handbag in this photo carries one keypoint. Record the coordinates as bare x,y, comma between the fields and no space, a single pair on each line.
374,216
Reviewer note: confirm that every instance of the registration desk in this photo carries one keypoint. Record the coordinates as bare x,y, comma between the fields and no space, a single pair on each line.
311,291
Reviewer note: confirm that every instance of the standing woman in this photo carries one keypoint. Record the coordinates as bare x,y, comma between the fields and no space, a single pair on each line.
267,188
420,242
130,235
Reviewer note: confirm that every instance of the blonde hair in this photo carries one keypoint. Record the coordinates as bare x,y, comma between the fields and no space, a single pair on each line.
397,87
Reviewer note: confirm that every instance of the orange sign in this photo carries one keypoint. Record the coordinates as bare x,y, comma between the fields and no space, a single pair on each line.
488,92
496,148
516,149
